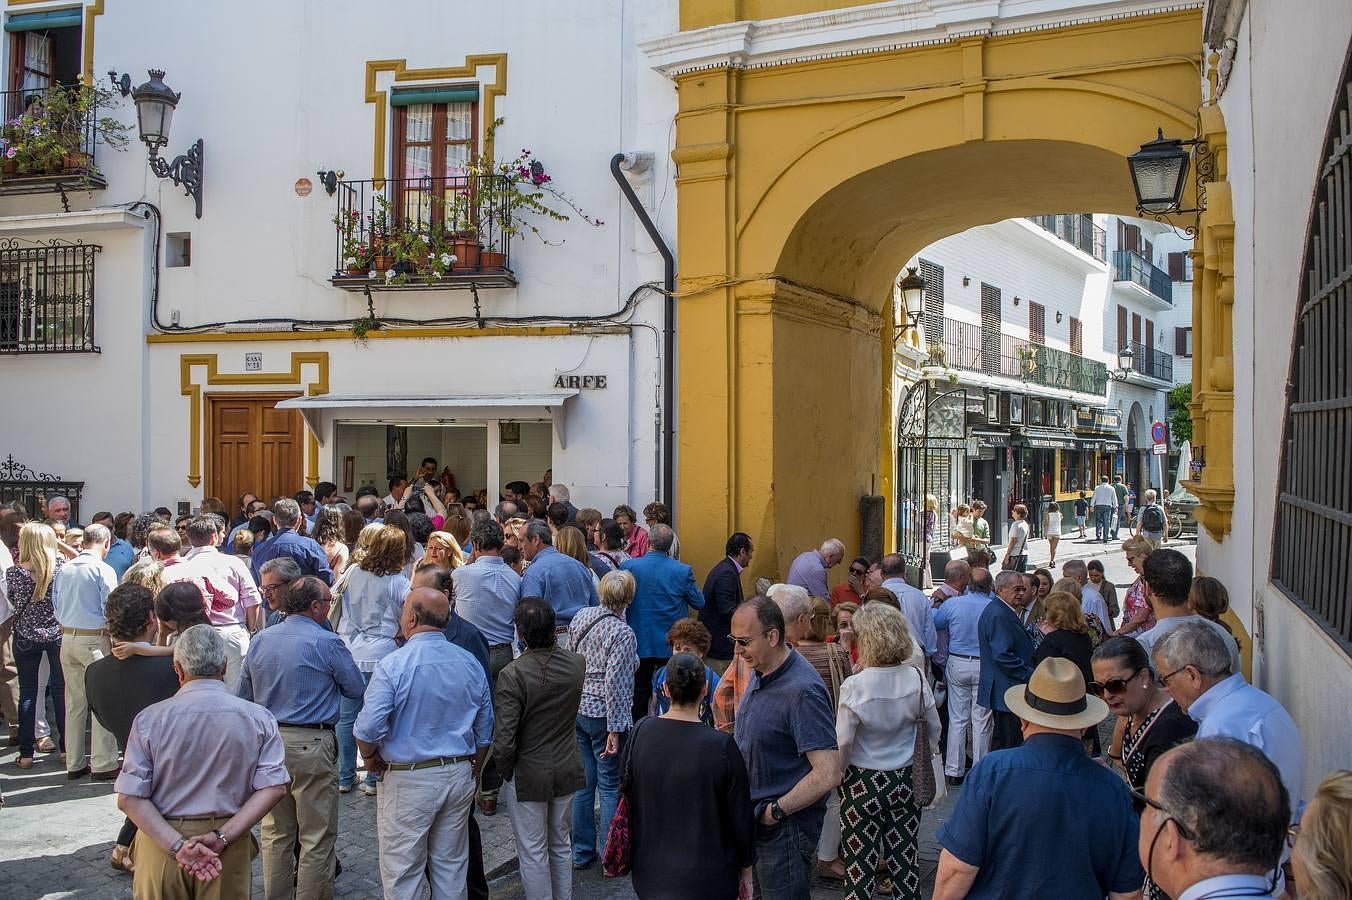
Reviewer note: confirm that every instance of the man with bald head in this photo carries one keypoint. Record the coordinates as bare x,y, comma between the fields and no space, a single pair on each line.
427,724
808,569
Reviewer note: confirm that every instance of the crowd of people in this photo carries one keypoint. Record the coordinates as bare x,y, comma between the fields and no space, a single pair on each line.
442,655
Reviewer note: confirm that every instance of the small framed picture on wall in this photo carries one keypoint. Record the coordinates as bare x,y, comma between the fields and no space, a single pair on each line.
349,472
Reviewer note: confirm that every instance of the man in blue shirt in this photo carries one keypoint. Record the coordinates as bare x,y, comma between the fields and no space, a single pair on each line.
298,670
426,724
286,542
457,630
917,608
1043,820
1006,656
787,735
120,554
561,581
665,589
959,617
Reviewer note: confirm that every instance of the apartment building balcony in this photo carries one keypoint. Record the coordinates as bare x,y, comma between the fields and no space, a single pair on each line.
972,348
1078,230
49,137
1152,363
424,233
1143,278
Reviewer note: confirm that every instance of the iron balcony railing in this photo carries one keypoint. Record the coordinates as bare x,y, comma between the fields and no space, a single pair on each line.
48,138
1078,230
47,297
1151,362
1128,265
424,231
20,484
972,348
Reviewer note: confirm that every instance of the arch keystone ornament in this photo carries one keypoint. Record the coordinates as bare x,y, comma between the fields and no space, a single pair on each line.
808,173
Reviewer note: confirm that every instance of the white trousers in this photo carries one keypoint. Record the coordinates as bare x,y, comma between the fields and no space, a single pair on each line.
422,821
236,639
544,844
828,845
963,676
41,728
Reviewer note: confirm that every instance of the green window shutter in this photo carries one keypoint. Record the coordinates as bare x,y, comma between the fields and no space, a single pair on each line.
435,95
42,21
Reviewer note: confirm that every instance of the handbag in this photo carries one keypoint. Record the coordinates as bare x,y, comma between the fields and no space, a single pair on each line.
923,781
618,858
836,676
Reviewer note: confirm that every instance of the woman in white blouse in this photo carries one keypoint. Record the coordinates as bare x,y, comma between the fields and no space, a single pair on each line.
876,729
373,600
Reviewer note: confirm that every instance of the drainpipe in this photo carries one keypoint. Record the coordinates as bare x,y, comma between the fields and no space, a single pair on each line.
637,162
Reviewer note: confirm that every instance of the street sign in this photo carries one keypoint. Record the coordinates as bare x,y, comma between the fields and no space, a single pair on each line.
1157,433
1160,449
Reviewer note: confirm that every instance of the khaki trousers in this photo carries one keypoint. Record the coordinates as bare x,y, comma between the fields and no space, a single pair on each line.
9,684
544,845
78,652
422,819
158,875
306,816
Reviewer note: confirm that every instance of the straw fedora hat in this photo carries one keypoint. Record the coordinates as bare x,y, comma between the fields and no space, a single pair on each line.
1055,697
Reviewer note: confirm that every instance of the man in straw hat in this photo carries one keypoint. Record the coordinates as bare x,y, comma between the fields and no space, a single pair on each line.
1043,819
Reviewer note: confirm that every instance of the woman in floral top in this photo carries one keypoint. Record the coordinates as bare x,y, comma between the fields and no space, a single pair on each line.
36,631
1137,615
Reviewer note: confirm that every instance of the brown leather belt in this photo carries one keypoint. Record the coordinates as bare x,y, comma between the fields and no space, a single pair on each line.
427,763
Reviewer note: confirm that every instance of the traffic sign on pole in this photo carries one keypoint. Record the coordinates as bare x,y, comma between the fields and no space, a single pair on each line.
1157,432
1160,449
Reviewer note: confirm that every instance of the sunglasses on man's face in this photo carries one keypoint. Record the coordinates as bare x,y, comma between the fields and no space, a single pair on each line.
1113,685
746,641
858,573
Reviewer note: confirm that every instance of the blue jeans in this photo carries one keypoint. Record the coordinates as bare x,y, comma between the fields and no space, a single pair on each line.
603,772
784,857
28,659
347,744
1103,522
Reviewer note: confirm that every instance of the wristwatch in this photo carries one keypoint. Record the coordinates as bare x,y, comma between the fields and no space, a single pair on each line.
776,812
177,846
224,842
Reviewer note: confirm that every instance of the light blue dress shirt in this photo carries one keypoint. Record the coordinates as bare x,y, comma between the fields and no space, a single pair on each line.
486,592
919,612
808,571
120,557
959,616
1234,708
297,670
80,589
563,583
428,699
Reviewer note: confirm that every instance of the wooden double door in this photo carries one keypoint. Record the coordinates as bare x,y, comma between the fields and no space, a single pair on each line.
253,446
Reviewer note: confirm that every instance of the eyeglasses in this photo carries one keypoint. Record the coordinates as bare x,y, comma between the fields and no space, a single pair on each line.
1292,835
746,641
1113,685
1164,679
858,572
1168,816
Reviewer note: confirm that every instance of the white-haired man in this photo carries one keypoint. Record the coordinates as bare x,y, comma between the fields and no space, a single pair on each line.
558,493
1152,519
201,769
808,569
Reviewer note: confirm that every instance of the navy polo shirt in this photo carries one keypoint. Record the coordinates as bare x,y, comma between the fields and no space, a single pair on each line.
1043,820
784,716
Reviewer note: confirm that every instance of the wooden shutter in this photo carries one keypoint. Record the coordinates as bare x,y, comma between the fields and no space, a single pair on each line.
1076,336
934,301
990,328
1181,336
1037,323
1128,237
1121,326
1177,267
1150,334
1135,328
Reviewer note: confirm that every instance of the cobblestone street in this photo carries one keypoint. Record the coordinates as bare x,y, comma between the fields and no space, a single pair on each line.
57,834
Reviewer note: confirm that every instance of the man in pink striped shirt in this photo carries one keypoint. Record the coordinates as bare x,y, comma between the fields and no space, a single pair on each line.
233,601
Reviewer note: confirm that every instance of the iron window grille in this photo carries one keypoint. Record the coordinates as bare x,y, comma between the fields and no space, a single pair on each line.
47,297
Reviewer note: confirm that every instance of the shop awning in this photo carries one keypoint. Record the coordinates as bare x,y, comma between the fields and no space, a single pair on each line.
431,408
1098,442
1047,438
991,437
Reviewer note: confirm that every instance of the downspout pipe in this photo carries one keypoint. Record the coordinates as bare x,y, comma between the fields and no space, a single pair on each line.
632,160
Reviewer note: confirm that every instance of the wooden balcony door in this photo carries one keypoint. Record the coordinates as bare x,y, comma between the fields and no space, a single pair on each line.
253,446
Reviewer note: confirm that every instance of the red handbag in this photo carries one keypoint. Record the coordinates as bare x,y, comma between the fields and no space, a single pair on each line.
618,858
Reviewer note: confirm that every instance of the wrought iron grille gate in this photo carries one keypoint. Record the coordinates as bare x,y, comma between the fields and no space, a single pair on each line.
47,297
18,482
931,462
1312,531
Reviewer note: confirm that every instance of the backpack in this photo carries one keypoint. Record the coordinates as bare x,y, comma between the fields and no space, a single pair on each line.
1152,518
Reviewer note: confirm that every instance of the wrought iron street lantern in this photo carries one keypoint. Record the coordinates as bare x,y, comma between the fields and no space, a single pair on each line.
1125,357
155,104
1159,174
912,289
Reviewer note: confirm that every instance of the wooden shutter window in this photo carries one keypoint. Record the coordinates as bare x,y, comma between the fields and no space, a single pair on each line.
1121,326
990,329
1037,323
1136,328
934,301
1177,269
1149,333
1076,336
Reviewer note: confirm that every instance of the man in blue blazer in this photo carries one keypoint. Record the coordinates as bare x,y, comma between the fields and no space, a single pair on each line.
665,588
1006,657
722,596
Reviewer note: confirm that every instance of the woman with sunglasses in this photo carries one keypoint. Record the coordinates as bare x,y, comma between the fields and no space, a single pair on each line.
1154,722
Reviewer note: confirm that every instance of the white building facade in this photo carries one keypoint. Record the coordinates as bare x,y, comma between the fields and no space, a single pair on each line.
250,348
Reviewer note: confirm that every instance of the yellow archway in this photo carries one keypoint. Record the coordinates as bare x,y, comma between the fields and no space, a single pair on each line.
803,187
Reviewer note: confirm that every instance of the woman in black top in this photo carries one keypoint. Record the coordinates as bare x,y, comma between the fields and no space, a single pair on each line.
689,799
1154,722
1065,633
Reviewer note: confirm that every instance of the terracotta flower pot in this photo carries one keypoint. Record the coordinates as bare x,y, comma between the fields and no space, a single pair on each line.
467,251
382,264
492,261
76,160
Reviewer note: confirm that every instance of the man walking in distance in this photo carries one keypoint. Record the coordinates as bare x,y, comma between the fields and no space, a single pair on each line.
1215,821
234,605
665,591
486,592
426,725
1006,656
194,817
786,733
80,589
1105,510
1120,489
722,596
297,670
959,617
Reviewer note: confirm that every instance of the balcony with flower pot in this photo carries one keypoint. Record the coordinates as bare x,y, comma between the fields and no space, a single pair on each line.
49,138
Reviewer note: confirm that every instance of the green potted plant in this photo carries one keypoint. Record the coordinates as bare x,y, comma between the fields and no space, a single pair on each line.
356,252
382,257
462,231
50,135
